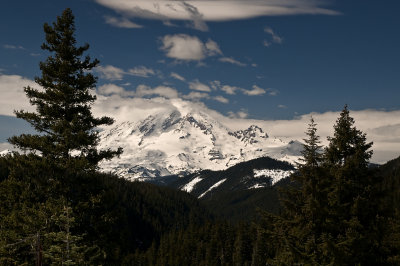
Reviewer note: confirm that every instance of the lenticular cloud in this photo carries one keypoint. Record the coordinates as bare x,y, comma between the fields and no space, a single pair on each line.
213,10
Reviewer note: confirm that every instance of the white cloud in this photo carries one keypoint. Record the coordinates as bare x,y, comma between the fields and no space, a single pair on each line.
213,48
231,90
196,18
12,94
110,72
177,76
5,146
274,36
183,47
112,89
282,106
141,71
115,73
188,48
121,22
272,92
231,60
255,91
198,86
162,91
199,11
221,99
242,114
128,109
216,84
195,95
141,91
13,47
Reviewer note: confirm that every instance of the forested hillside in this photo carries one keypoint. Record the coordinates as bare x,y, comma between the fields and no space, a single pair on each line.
237,193
105,217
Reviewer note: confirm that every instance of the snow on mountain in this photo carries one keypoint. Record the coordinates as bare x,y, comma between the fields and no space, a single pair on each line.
189,186
182,139
5,152
274,174
212,187
262,172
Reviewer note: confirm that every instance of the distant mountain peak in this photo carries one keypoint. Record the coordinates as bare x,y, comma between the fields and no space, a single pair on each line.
250,134
182,141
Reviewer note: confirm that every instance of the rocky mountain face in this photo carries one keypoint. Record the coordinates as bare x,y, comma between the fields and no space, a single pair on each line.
183,140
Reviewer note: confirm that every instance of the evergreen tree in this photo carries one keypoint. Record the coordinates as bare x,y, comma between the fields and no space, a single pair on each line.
352,234
63,115
62,246
302,220
314,188
64,150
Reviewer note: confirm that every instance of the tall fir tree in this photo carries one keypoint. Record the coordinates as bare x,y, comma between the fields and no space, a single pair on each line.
59,158
314,186
305,206
63,114
352,235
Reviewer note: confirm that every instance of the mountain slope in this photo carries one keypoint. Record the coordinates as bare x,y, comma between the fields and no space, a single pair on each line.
181,139
239,191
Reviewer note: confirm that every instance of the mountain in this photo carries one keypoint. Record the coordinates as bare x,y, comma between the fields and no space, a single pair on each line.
183,139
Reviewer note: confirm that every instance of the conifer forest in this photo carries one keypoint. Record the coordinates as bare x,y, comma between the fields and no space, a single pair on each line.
57,208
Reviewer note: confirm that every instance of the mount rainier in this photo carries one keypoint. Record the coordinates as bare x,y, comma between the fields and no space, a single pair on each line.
181,139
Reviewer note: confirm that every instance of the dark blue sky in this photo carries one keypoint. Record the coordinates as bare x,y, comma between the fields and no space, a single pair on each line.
312,63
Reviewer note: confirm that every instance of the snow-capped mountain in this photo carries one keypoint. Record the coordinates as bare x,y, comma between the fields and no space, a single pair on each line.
183,139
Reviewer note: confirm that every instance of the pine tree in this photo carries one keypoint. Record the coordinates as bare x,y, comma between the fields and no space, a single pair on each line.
314,187
352,235
347,158
305,206
58,158
63,115
62,246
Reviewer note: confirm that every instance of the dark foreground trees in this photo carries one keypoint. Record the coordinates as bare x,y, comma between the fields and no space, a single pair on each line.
37,201
333,213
